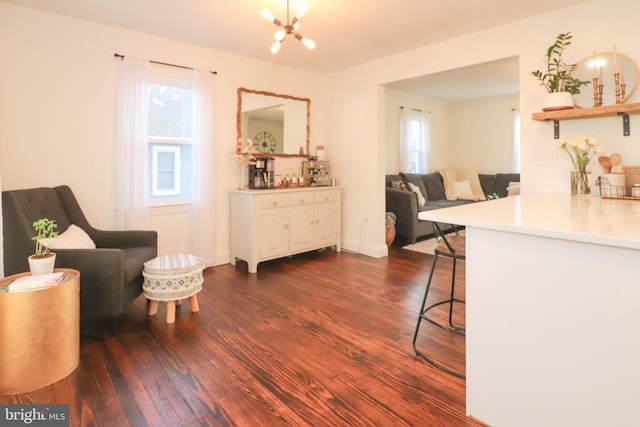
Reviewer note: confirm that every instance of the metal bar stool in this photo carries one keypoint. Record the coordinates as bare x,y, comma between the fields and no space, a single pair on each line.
452,247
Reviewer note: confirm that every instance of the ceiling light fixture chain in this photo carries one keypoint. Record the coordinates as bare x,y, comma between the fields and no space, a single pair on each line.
289,28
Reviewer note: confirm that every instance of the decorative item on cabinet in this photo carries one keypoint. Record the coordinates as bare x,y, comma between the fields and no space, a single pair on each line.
262,173
244,157
316,172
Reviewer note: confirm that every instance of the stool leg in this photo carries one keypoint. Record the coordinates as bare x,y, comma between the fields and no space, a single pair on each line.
153,307
193,300
424,302
453,286
171,311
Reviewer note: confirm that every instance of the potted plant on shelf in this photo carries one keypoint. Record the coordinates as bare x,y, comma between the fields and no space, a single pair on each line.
557,79
43,260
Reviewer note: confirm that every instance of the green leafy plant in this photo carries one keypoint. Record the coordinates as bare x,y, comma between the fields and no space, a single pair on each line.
493,196
45,228
557,77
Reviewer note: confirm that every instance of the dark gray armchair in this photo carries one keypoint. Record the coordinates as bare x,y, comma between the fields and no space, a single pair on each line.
110,275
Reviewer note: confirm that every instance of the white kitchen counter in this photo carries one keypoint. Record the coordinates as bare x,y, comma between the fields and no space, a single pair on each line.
553,309
613,222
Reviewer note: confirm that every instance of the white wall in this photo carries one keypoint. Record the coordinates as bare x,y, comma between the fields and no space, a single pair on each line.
481,133
357,96
58,86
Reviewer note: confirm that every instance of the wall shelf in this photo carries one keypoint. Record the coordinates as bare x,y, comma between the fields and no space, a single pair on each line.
624,110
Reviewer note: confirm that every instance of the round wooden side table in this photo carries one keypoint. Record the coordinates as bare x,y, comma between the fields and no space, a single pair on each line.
39,334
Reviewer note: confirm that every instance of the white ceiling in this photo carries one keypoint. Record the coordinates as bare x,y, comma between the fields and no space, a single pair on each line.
347,32
488,79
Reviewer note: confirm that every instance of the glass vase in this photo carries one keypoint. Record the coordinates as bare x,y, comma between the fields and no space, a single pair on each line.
580,182
244,177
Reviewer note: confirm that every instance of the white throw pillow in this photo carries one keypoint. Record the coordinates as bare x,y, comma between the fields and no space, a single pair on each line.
462,190
73,238
415,189
513,189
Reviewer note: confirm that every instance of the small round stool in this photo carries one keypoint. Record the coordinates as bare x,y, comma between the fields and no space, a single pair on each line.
172,278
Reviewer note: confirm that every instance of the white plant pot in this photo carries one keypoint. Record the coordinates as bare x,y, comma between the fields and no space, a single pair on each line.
557,101
42,265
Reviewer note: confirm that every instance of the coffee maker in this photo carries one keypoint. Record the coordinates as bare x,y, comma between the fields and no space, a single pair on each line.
316,172
261,173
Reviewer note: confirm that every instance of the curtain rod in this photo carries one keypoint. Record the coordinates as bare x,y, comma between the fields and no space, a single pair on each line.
117,55
415,109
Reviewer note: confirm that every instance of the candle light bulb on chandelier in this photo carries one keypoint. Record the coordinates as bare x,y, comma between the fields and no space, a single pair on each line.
302,10
267,15
310,44
279,35
276,47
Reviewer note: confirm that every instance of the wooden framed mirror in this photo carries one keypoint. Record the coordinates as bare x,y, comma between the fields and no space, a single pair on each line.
277,124
605,69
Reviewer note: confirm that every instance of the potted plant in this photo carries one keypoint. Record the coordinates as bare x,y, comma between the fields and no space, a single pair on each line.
557,79
43,260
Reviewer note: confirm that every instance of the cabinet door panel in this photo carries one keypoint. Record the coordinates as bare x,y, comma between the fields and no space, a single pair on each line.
326,224
273,229
301,236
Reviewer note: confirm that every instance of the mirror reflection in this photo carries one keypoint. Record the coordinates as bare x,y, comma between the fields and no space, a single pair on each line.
605,69
277,124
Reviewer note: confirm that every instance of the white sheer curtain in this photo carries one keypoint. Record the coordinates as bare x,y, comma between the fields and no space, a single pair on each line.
515,150
415,141
132,177
202,212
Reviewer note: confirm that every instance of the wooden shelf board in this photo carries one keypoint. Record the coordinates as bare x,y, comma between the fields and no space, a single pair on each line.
587,113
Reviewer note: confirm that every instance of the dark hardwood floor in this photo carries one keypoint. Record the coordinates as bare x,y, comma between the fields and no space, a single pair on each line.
320,339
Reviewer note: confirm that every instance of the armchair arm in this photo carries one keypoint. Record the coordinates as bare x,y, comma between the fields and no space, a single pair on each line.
123,238
101,280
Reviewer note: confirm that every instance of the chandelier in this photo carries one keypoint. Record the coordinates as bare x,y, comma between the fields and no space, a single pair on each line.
289,28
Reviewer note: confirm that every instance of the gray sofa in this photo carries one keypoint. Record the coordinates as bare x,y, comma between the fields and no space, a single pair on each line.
404,203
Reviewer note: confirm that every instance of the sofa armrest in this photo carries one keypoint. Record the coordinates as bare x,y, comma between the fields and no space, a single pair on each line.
405,205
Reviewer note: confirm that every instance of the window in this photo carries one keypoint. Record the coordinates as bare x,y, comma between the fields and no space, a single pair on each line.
169,136
414,141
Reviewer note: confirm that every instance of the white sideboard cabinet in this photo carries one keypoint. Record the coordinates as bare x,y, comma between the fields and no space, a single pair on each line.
268,224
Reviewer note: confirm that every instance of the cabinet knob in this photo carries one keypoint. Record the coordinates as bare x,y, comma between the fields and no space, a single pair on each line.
326,199
275,204
286,226
302,201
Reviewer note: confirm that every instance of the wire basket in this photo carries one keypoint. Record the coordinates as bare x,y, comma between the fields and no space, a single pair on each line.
621,186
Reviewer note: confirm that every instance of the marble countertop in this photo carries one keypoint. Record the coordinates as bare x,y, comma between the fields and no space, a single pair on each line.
611,222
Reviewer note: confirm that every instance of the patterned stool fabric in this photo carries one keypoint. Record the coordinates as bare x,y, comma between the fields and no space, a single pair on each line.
172,278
